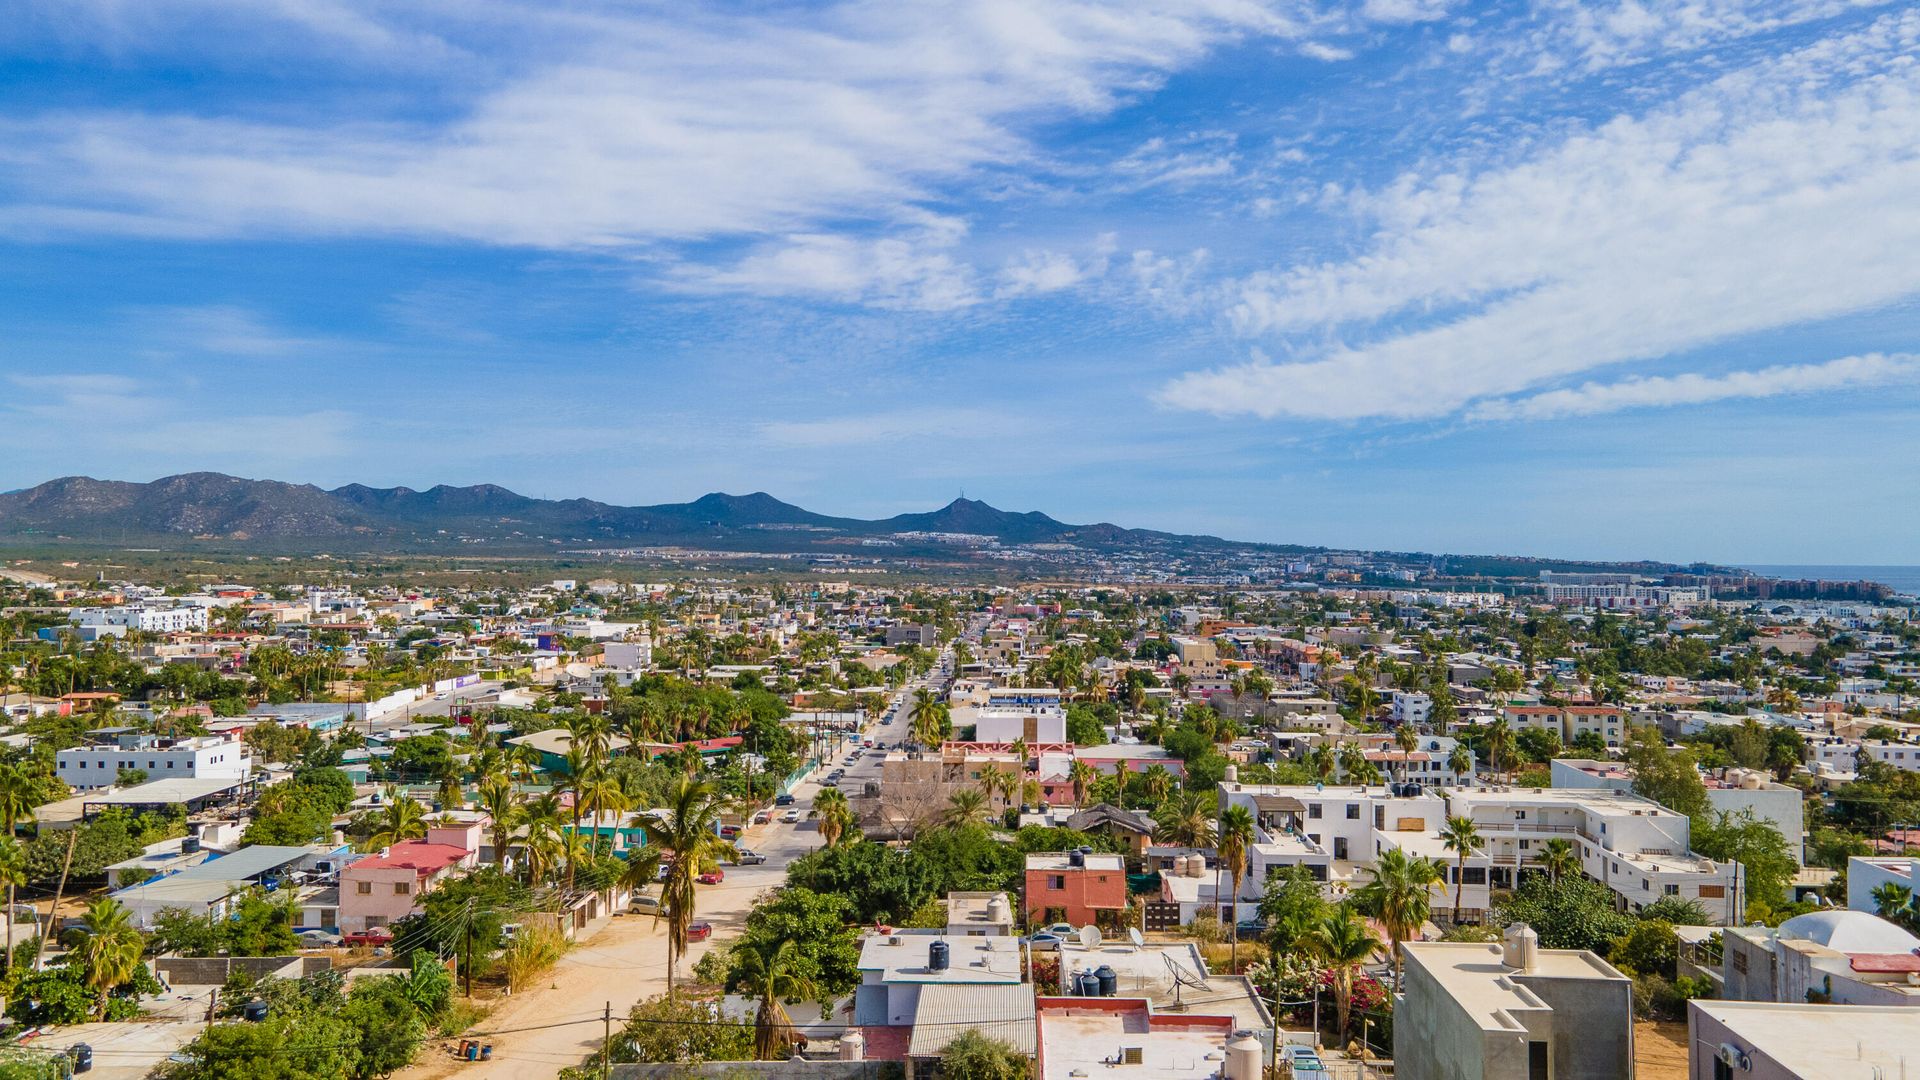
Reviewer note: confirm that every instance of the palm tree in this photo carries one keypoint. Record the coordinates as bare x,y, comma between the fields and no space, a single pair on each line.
1342,942
1895,903
1081,773
1186,821
19,794
1353,763
13,871
1499,744
1323,761
1460,836
924,720
1235,838
1400,896
1558,859
836,815
1157,781
966,806
502,806
1460,763
110,952
689,832
768,971
401,819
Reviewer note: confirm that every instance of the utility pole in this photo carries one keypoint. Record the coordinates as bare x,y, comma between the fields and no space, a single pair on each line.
606,1042
466,966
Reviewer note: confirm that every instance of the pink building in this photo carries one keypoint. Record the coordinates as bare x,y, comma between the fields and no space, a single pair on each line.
382,889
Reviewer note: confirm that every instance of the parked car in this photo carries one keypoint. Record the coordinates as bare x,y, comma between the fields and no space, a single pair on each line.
730,832
699,931
1062,929
378,935
790,816
319,939
1043,941
712,877
762,818
748,857
783,800
831,781
1250,928
644,905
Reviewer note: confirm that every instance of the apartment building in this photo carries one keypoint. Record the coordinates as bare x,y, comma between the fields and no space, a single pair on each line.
204,757
1411,707
1199,660
1842,755
1636,847
1513,1011
1729,791
1074,886
1569,722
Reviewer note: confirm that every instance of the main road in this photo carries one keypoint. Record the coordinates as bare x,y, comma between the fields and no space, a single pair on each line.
556,1023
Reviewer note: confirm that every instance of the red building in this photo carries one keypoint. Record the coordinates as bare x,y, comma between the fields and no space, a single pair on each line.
1074,887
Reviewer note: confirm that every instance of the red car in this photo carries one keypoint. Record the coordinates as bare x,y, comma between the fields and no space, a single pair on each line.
699,931
712,877
378,935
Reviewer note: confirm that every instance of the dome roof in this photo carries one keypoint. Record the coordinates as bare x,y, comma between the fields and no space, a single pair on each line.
1850,932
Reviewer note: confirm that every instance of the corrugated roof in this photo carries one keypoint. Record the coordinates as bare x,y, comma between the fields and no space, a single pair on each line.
245,864
947,1010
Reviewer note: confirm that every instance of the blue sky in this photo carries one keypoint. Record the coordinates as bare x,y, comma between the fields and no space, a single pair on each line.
1590,279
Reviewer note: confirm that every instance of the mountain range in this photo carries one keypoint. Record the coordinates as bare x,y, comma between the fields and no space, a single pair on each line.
214,507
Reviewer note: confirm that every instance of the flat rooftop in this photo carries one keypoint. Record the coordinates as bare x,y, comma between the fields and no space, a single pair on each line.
1474,976
1824,1040
901,957
1062,860
1076,1041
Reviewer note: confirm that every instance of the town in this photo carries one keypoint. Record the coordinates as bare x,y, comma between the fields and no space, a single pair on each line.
1581,825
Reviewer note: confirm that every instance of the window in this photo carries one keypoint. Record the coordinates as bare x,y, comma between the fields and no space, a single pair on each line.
365,888
1713,892
1353,811
1670,890
1739,960
1056,882
1645,885
1476,875
1313,811
402,888
1379,816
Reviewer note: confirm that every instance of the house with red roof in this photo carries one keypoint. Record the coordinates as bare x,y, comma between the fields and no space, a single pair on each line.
386,887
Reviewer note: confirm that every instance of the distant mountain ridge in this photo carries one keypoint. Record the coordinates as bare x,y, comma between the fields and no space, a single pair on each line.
215,506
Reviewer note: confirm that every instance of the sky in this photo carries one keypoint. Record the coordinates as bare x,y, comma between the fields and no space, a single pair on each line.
1590,279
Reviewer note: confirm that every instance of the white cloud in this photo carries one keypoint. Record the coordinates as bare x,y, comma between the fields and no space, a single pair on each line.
1783,193
1042,271
648,127
1601,35
1871,369
893,273
1404,11
1320,50
221,329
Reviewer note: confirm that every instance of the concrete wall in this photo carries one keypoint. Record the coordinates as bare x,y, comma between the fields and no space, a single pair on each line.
213,970
1433,1037
764,1070
1592,1028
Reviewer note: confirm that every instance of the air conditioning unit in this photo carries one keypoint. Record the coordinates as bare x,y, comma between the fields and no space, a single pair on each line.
1733,1057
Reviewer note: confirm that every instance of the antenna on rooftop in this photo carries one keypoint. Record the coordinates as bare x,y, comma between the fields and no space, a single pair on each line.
1133,934
1089,936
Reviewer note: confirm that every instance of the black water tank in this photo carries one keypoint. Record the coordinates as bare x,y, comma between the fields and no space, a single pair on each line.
1109,982
1087,984
189,845
81,1055
1075,858
937,956
255,1011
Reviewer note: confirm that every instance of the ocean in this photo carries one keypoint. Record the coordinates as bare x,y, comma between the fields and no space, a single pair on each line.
1901,579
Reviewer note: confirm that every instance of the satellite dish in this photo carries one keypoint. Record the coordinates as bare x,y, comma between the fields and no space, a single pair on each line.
1133,933
1090,936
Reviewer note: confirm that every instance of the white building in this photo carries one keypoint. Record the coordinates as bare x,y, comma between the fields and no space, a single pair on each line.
203,757
1729,791
1866,873
152,619
1412,707
1842,755
1033,714
628,655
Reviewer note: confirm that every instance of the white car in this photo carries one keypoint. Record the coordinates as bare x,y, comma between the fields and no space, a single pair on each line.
790,816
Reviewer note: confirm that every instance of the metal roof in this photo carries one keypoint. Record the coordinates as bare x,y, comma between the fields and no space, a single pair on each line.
947,1010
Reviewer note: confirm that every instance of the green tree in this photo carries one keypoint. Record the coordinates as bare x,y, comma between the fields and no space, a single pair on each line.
1234,840
1342,943
827,956
1667,776
689,834
109,952
1400,896
1291,906
306,1046
1559,858
1650,948
1676,911
1574,913
262,925
401,818
387,1025
974,1056
1460,836
684,1032
13,871
1186,821
1756,845
768,970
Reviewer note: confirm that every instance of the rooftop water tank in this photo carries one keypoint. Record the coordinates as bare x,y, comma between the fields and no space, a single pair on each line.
937,956
853,1046
1108,981
1243,1057
1086,984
